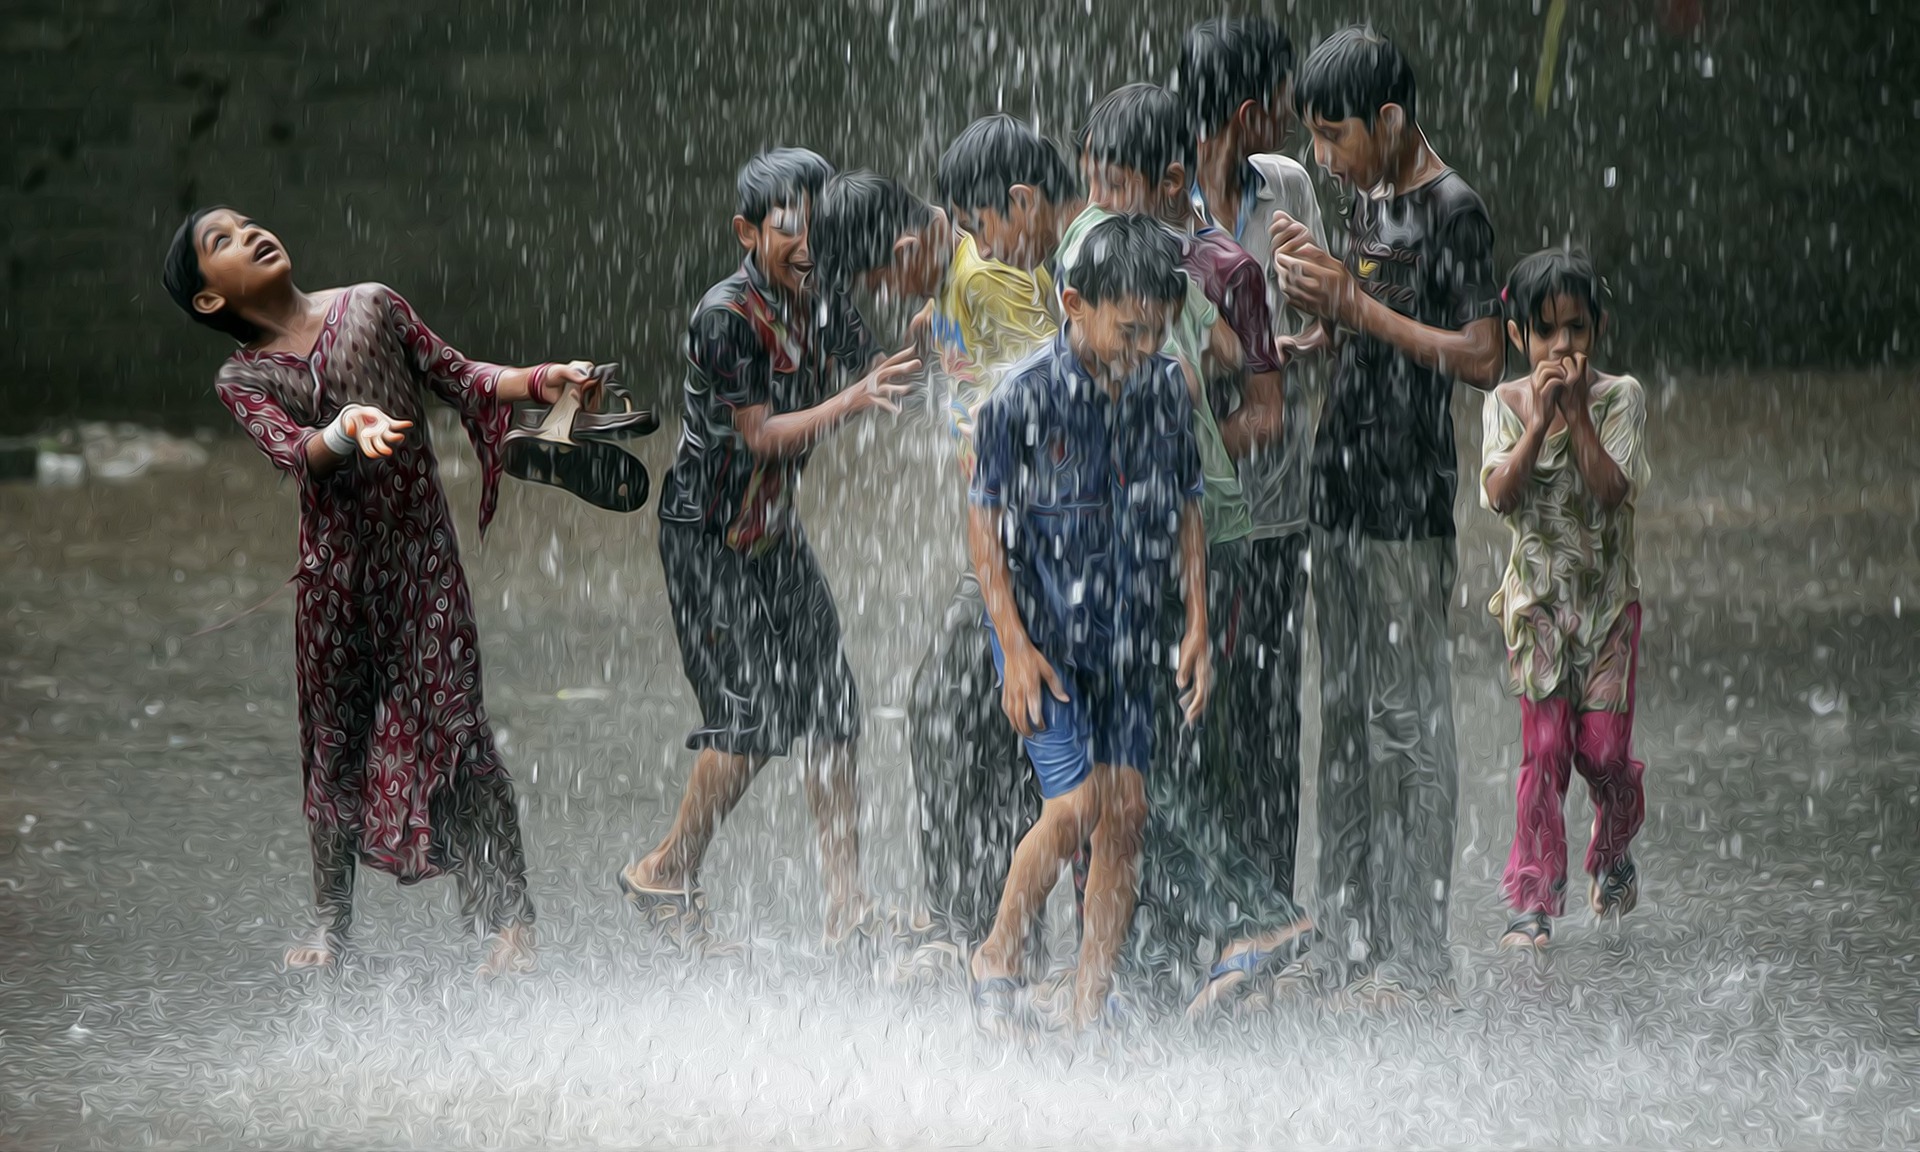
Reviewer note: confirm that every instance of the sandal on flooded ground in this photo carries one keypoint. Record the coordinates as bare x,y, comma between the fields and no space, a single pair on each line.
996,1004
1616,891
1528,930
1230,978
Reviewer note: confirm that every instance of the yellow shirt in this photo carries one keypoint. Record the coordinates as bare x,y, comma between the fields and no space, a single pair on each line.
988,317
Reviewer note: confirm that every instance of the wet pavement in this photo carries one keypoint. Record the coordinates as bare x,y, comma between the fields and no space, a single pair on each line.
153,860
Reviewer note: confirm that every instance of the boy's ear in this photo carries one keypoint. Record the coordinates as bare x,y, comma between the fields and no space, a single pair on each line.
1073,304
1174,180
747,234
1514,337
1394,117
207,302
1021,198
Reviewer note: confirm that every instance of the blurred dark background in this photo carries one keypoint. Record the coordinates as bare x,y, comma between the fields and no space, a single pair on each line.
554,178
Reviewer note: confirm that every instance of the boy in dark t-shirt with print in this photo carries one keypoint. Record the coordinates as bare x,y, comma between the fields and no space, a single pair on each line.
1413,307
768,351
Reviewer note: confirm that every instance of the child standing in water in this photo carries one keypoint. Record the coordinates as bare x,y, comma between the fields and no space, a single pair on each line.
1564,463
399,763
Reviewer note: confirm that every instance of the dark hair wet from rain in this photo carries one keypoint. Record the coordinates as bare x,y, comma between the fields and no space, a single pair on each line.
1141,128
1353,74
1128,256
776,177
181,276
1538,278
993,154
1226,62
857,218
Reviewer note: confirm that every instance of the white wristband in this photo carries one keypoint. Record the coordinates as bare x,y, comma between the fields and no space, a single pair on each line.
335,437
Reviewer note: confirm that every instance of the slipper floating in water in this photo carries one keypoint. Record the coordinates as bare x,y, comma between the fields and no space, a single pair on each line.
1236,972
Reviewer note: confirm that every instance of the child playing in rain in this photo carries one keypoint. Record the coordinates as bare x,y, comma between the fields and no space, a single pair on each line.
1564,462
398,759
1199,883
1411,308
769,353
1086,499
1236,76
981,318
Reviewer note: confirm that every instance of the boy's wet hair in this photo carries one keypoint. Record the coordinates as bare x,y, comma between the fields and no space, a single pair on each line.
992,155
778,177
183,280
1128,257
1536,279
1354,73
1140,128
1226,62
856,220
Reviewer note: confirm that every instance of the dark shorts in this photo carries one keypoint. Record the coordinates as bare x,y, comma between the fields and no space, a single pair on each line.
1100,722
760,642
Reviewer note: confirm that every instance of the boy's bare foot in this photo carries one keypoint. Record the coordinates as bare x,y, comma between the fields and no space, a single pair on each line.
512,951
321,950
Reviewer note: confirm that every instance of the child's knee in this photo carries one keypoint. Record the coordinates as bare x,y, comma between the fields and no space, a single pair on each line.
1123,808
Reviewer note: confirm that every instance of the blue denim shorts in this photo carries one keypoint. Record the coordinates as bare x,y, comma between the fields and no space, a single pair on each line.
1098,723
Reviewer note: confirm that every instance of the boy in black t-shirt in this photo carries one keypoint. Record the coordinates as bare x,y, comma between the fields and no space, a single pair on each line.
1413,307
769,352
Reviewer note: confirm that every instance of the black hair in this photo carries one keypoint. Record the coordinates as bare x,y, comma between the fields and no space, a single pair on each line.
1552,272
1354,73
856,220
1225,63
992,155
777,177
183,280
1141,128
1128,256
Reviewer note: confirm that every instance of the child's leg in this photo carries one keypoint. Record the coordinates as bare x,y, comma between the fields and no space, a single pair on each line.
1536,876
1064,822
833,794
1346,808
335,850
476,820
1113,883
719,780
1604,755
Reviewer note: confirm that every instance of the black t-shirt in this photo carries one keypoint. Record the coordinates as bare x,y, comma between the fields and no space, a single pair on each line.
1383,461
746,347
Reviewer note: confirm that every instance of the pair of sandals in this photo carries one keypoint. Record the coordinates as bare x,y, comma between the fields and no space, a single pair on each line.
1614,892
577,451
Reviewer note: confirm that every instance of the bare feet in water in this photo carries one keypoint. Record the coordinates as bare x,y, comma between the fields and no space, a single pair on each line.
512,951
321,950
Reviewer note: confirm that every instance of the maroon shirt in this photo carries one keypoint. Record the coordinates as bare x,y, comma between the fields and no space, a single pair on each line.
1236,285
386,659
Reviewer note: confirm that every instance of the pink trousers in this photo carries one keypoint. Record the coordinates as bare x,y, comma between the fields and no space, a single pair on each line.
1556,738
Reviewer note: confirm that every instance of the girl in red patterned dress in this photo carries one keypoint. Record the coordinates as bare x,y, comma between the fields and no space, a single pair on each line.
399,762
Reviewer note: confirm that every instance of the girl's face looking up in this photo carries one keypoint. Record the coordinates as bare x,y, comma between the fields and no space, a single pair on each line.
238,260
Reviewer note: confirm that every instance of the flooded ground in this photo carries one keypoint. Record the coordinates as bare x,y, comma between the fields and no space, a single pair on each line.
154,862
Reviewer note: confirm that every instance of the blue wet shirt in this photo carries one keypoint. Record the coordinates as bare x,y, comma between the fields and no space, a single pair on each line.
1091,490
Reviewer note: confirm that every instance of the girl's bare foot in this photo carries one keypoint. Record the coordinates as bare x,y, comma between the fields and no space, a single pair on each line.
512,951
321,950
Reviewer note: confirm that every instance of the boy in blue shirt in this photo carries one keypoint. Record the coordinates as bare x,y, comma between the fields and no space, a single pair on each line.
1085,499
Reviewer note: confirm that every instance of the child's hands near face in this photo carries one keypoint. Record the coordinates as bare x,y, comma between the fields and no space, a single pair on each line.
1579,384
1549,386
884,386
1027,672
1193,675
374,432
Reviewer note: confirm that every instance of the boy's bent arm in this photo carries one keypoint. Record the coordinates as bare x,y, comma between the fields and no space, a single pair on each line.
1194,675
1257,422
1474,354
1026,670
790,434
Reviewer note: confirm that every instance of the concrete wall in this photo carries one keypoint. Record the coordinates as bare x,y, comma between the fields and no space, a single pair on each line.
554,179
